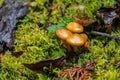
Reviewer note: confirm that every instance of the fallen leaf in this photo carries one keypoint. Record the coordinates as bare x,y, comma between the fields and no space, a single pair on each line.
39,66
98,27
85,21
108,15
17,54
55,6
117,62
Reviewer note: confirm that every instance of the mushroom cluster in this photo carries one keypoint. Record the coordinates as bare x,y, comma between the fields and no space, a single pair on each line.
73,36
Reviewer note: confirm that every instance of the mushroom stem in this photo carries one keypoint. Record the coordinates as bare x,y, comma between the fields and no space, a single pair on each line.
75,48
69,49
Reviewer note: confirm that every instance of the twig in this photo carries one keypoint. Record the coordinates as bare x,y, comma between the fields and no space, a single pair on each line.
105,35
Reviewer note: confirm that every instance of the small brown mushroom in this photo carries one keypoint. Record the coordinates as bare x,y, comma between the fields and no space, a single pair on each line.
75,27
86,44
75,40
63,34
84,36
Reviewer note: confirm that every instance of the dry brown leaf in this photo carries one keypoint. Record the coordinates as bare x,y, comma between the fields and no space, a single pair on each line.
85,21
55,6
17,54
39,66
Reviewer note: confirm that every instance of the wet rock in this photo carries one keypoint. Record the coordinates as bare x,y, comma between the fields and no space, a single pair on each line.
9,15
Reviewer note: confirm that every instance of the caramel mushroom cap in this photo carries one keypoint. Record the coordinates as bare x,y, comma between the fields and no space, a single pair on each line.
75,40
63,34
75,27
84,36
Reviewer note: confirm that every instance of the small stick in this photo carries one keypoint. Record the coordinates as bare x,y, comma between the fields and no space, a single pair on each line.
105,35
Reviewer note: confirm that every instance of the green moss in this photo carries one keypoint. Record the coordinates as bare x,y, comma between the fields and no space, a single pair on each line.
106,57
1,2
38,43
